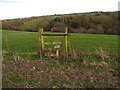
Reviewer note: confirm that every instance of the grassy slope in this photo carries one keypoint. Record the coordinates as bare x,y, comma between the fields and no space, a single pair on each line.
28,41
42,21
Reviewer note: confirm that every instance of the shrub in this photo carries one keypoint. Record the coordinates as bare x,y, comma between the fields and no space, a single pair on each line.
82,30
58,27
99,29
91,31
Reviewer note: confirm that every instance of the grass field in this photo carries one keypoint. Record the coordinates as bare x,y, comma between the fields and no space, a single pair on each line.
28,41
87,71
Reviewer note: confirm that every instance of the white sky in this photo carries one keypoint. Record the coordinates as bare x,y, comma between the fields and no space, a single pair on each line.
26,8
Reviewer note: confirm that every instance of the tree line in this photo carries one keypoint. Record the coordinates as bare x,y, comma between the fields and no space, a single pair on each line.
92,23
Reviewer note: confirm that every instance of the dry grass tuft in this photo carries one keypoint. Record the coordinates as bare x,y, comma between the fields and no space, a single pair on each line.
102,53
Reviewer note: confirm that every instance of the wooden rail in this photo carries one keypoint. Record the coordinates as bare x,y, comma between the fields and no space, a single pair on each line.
53,42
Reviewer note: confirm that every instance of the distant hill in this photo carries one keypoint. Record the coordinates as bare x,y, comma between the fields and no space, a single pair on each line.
91,22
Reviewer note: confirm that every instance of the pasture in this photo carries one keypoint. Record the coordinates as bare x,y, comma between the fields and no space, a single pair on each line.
87,71
28,41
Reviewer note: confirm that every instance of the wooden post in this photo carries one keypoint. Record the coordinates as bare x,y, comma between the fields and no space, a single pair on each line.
41,42
66,40
69,45
39,38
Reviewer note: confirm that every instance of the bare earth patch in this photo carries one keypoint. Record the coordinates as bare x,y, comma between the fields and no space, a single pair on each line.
44,73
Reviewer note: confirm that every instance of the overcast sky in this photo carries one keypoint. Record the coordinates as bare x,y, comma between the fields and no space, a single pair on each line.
26,8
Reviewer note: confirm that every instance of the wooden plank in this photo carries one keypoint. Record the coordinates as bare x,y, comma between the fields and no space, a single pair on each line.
53,49
54,34
53,42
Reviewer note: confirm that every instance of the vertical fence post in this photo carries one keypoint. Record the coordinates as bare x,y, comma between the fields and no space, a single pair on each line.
66,40
41,42
69,45
39,38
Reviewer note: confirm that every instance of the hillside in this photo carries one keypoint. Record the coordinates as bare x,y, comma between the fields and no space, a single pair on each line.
93,23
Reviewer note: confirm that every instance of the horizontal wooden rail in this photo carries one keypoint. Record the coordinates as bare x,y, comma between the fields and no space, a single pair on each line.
53,49
54,34
53,42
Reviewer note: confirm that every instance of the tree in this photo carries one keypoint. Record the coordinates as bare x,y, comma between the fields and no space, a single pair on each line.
99,29
58,27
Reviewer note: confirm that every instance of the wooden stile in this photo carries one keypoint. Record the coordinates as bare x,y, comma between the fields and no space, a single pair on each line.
58,35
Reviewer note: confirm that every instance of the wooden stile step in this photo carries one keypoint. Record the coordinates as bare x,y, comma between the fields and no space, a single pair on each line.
53,42
54,34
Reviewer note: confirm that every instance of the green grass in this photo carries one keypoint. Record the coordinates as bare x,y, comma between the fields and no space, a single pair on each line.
28,41
16,78
36,22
